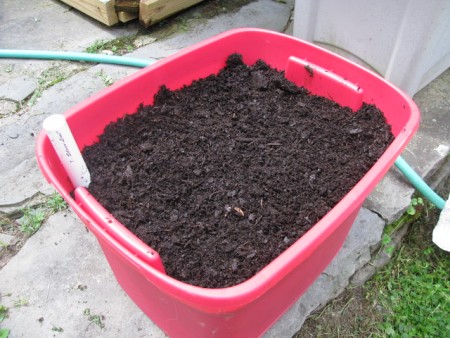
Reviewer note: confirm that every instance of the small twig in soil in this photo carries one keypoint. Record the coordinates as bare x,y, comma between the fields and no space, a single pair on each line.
239,211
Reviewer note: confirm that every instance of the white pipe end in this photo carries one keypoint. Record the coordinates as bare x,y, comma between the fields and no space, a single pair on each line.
67,150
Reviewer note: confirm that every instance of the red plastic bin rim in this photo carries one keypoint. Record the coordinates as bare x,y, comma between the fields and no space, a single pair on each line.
242,293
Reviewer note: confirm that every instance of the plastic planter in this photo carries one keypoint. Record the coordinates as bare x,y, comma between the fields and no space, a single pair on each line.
250,308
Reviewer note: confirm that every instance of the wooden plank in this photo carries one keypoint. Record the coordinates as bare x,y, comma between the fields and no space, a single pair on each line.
152,11
101,10
128,6
127,10
125,16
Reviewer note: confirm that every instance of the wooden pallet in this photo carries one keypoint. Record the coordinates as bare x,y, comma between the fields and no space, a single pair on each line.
110,12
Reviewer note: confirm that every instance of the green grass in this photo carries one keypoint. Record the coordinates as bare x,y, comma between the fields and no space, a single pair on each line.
21,302
3,312
415,210
3,244
107,80
32,220
119,46
413,290
4,333
96,319
56,203
48,78
33,217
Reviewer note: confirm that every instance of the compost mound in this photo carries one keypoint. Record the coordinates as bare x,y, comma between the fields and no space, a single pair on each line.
223,175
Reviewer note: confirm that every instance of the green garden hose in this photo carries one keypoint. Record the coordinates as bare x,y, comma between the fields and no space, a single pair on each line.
401,164
418,183
74,56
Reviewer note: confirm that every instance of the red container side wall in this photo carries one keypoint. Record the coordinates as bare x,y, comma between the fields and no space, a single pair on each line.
178,319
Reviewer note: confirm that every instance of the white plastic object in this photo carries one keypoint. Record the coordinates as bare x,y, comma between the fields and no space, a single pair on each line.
405,41
441,233
65,146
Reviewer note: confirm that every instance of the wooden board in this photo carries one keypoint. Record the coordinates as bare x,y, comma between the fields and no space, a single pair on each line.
101,10
152,11
125,16
127,10
127,6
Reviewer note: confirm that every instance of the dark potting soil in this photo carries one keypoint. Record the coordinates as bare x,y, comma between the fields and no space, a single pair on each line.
223,175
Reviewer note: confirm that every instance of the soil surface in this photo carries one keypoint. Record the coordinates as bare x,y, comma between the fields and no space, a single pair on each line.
223,175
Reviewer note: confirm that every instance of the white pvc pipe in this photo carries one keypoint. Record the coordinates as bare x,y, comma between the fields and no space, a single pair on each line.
67,150
441,232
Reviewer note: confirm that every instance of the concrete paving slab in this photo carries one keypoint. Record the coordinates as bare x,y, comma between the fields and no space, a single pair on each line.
22,182
18,89
20,178
6,240
393,194
59,274
7,108
10,69
434,102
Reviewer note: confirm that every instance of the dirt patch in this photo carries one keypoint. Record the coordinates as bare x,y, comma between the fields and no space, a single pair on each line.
349,315
222,176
